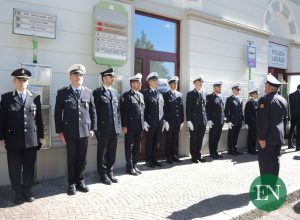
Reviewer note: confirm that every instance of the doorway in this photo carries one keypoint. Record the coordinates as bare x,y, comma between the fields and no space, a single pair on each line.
156,50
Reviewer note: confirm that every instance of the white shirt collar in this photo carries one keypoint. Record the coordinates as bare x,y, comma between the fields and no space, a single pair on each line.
153,89
24,92
74,88
199,91
217,94
107,87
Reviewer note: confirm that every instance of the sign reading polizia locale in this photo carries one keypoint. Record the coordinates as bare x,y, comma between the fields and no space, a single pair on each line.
278,56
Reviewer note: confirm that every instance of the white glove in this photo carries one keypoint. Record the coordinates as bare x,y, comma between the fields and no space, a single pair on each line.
190,125
229,124
181,125
146,126
210,124
166,126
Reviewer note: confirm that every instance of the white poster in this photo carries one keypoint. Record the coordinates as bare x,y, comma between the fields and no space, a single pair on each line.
278,56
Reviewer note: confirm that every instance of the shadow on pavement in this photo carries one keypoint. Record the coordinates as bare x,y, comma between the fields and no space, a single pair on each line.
212,206
296,208
296,157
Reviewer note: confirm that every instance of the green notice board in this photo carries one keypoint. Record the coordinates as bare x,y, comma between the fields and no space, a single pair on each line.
110,33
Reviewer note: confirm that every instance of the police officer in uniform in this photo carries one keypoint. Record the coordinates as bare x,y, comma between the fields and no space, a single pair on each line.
132,118
108,126
21,128
75,123
196,119
154,120
215,118
174,116
250,120
234,114
272,109
294,107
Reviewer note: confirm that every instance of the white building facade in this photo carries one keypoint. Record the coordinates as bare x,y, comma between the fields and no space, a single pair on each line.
213,37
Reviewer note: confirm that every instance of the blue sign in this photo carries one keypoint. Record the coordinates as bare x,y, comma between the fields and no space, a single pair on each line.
251,56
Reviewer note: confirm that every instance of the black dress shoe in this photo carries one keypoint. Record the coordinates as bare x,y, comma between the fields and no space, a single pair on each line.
194,160
28,195
291,146
112,178
158,164
232,153
137,169
105,180
214,156
219,155
72,190
150,164
170,161
19,199
82,187
236,151
176,159
132,172
202,160
297,148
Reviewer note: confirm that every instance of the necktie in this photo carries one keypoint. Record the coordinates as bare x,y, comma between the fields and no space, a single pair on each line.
109,93
77,93
200,95
22,97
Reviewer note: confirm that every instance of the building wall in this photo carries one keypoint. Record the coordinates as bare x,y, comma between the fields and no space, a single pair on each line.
213,44
73,44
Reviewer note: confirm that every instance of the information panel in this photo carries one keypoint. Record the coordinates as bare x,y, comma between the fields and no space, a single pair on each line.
34,24
110,34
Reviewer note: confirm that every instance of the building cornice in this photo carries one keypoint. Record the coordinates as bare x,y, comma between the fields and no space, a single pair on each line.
211,19
130,2
295,43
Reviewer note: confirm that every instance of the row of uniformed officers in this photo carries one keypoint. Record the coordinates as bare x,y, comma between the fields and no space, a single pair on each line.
81,113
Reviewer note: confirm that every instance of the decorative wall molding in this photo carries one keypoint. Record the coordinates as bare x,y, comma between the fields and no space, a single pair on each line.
203,17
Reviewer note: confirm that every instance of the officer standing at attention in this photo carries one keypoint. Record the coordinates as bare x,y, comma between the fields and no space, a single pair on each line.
250,120
196,119
294,105
215,118
154,123
272,109
108,126
75,123
22,130
234,114
132,118
174,116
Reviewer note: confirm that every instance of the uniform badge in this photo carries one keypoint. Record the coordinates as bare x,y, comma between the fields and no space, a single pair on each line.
261,105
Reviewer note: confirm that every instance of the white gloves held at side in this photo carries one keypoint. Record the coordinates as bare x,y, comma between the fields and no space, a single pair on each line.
190,125
230,125
165,126
210,124
146,126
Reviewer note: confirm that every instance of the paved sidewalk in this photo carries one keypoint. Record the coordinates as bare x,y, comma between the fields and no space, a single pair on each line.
213,190
289,212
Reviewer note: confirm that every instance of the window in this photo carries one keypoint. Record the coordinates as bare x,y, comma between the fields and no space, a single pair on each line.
156,45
